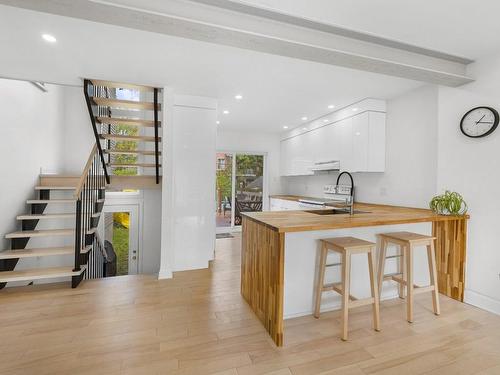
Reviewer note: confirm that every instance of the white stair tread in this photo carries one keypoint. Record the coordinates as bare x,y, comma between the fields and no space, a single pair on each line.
120,85
39,273
130,152
40,252
40,201
41,233
46,216
137,138
132,165
126,104
126,121
55,188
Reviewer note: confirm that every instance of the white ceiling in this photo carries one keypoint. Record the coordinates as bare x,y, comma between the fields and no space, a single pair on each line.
462,27
277,91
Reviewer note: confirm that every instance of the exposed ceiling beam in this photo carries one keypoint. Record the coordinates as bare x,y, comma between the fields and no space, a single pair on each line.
240,25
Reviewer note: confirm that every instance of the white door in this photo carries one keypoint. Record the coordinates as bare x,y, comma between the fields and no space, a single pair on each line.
121,227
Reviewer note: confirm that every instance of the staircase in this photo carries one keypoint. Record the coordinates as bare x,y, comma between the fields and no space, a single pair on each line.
62,220
126,131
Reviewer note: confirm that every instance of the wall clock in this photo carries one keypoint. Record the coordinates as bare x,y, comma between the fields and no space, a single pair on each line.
479,122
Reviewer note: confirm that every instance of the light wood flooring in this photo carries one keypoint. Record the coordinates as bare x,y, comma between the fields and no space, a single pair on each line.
197,323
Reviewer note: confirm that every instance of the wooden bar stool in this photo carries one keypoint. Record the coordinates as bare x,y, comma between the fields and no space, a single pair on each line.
407,241
347,246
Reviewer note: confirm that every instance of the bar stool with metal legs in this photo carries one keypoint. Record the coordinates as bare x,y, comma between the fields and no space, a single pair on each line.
347,246
407,241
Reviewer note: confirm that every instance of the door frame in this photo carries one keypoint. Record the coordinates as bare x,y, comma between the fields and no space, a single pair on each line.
265,187
135,232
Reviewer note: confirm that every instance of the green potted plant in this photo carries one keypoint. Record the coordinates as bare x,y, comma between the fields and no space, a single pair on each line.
449,203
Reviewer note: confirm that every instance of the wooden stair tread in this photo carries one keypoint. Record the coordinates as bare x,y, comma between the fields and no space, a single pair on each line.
40,252
131,152
139,138
39,273
127,121
40,233
55,187
45,233
45,216
121,85
125,104
131,165
43,201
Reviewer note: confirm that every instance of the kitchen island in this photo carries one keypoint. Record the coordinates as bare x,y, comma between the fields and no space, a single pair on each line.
280,253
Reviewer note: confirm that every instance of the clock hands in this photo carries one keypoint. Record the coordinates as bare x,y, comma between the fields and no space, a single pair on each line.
484,122
477,122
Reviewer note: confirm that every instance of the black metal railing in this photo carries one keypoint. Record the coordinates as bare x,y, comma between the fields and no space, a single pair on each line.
157,159
97,261
89,195
90,91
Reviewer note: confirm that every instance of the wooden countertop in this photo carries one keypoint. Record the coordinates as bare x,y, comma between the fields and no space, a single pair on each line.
301,221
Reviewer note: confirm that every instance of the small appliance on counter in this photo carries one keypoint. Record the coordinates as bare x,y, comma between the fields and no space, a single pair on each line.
339,196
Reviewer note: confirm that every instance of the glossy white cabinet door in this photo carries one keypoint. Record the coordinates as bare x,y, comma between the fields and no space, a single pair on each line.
376,144
343,132
360,132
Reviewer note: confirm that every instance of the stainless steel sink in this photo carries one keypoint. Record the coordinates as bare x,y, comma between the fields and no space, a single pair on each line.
335,212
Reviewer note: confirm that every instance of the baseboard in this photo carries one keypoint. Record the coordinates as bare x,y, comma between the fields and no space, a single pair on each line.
482,301
335,306
165,274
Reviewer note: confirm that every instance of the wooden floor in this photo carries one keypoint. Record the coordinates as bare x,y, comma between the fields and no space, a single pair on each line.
198,323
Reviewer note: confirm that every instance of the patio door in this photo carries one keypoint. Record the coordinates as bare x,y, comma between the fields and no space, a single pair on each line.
240,187
121,228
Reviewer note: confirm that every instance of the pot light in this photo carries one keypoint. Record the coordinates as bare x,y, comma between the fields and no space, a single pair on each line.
304,118
331,106
326,120
226,112
217,122
304,128
49,38
285,127
354,109
238,97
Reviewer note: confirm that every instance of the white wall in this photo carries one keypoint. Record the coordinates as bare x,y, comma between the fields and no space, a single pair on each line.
188,192
78,135
472,167
32,128
267,143
411,156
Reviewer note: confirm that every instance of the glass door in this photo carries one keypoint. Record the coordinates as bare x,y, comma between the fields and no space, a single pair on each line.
239,187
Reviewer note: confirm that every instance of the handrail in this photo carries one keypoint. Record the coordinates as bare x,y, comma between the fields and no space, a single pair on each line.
86,84
85,172
157,161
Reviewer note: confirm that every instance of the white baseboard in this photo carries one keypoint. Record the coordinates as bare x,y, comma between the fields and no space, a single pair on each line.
165,274
483,302
335,306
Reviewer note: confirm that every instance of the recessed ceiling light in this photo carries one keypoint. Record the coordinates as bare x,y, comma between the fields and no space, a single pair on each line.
226,112
285,127
238,97
354,109
304,118
49,38
304,128
331,106
326,120
217,122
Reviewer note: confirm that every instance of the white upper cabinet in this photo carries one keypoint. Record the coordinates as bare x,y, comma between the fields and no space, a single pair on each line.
356,140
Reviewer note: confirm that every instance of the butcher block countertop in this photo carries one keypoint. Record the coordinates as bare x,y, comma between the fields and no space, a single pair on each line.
301,221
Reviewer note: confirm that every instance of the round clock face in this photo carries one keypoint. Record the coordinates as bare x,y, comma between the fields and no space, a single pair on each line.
479,122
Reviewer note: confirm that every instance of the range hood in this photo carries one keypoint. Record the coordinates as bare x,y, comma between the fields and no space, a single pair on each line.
331,165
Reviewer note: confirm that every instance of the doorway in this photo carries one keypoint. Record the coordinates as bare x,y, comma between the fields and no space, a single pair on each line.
120,227
240,187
